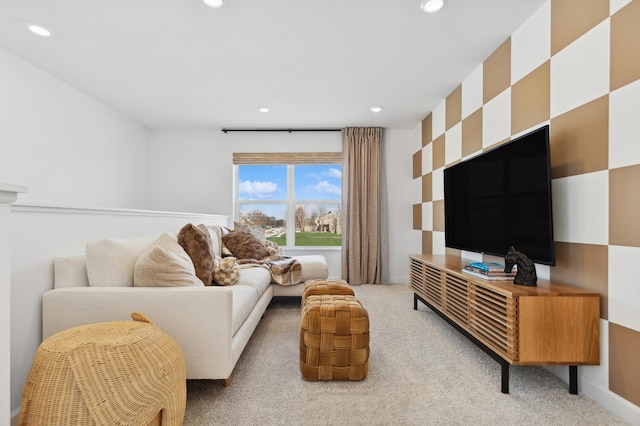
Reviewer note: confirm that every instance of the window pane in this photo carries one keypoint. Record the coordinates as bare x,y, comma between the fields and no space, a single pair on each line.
318,182
318,225
262,182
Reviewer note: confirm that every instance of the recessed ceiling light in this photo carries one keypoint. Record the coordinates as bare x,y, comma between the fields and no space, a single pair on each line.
431,6
214,3
376,108
263,109
38,29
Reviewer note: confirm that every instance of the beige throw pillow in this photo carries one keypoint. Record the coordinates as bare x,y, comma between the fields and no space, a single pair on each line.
110,260
165,264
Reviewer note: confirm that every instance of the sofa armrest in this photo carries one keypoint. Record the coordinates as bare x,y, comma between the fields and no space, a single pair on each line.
198,318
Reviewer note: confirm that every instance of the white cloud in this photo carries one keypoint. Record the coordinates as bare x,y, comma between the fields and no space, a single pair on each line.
257,189
332,173
327,188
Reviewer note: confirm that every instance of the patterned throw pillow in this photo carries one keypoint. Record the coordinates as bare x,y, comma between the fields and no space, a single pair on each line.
226,270
196,241
244,245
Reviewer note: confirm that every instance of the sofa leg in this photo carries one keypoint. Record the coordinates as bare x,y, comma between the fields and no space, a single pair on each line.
264,314
227,382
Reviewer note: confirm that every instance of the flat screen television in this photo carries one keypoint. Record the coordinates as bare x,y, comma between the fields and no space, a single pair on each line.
502,198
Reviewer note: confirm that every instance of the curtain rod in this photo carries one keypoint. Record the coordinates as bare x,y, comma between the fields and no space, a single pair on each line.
281,130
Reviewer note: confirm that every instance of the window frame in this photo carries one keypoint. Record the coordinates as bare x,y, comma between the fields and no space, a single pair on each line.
290,160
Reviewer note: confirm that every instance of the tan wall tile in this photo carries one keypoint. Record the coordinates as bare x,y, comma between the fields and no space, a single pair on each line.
417,216
570,19
438,152
438,215
453,108
624,206
585,266
625,46
417,164
624,368
427,242
579,139
427,130
453,252
472,133
497,72
530,99
427,187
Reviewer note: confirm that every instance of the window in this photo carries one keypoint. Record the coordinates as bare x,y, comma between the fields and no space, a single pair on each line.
295,199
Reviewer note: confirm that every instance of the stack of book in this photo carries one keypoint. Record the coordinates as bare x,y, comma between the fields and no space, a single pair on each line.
489,271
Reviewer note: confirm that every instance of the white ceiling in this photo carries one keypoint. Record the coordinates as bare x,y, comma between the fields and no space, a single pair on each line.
178,64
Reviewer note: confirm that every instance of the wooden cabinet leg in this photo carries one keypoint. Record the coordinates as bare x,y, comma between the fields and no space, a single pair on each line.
227,382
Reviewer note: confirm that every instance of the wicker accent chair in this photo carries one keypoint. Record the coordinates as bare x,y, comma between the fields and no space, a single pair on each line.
120,372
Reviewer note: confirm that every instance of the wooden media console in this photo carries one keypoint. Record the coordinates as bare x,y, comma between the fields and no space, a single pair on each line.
547,324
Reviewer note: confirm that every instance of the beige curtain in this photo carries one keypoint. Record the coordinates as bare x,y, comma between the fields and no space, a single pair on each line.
364,203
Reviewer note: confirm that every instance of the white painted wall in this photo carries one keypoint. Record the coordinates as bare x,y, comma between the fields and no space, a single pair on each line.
193,170
399,148
66,147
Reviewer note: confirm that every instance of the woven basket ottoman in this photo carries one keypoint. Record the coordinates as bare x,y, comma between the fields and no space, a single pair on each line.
109,373
334,338
320,287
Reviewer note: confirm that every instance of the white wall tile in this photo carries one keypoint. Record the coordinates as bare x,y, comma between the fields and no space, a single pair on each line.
624,126
437,182
453,144
438,117
580,72
581,208
616,5
496,119
472,92
531,43
427,159
427,216
624,286
438,242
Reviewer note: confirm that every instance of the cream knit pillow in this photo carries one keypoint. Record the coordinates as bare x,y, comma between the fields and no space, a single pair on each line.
165,264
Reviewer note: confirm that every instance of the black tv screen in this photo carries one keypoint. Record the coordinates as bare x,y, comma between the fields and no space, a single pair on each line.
502,198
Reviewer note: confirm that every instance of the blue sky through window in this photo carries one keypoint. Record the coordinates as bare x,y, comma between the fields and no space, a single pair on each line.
312,182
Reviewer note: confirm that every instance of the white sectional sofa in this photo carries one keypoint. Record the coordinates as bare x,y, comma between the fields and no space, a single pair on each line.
212,324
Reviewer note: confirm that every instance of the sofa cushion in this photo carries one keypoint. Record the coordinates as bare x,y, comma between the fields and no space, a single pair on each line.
196,241
244,300
314,266
244,245
255,276
165,264
110,260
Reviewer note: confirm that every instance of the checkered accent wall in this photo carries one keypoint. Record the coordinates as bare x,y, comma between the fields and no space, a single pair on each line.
575,65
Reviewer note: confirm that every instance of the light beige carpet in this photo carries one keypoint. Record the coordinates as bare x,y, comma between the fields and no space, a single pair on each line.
421,372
